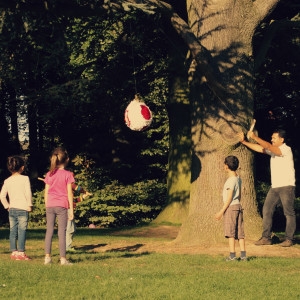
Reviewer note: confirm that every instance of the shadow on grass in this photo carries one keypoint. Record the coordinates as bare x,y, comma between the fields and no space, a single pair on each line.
96,256
84,248
89,247
127,249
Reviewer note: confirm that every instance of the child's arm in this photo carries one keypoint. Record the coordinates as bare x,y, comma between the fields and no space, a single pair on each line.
70,198
219,215
46,193
3,197
78,188
28,195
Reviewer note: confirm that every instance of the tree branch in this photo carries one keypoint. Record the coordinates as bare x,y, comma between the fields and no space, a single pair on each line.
72,8
199,53
264,8
274,27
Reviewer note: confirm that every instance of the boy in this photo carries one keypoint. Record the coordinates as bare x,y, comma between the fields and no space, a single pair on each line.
232,209
71,226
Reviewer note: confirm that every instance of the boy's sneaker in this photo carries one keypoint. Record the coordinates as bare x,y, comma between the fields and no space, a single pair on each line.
64,261
14,255
263,241
286,243
244,258
71,250
48,260
22,256
231,258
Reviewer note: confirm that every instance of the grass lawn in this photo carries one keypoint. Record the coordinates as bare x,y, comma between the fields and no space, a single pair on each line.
131,275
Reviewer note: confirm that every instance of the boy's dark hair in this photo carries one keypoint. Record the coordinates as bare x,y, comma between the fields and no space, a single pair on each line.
232,162
15,163
281,133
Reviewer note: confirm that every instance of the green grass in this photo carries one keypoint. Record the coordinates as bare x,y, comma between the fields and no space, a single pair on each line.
130,275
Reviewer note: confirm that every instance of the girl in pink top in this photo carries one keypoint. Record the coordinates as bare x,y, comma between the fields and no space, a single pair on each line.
58,199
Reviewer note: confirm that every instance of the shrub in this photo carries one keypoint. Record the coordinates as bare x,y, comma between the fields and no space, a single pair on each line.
113,205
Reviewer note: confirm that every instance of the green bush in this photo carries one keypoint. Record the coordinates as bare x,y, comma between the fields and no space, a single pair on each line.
37,217
262,189
113,205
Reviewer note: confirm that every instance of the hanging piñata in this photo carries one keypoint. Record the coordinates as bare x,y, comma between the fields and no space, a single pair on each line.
138,116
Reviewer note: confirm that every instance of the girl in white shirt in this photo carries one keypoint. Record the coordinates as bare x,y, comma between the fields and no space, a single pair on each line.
17,187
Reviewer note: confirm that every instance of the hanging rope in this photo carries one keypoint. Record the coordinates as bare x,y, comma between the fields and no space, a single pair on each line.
132,56
234,116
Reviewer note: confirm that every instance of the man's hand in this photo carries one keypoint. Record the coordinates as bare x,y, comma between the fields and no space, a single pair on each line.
251,135
29,208
241,136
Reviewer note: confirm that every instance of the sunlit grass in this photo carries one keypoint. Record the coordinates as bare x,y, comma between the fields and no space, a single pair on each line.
131,275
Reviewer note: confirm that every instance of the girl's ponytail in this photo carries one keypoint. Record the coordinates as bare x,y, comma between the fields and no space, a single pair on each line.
59,157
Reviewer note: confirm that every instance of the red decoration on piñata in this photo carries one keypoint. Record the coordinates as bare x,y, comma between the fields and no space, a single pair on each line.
138,116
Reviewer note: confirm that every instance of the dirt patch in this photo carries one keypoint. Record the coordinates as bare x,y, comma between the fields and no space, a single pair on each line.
168,244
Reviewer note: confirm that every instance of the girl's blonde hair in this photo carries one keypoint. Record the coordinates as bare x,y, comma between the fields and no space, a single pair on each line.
59,157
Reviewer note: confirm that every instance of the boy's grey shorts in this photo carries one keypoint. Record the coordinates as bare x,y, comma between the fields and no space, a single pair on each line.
233,222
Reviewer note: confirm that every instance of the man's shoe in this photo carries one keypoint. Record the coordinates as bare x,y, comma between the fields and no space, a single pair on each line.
263,241
286,243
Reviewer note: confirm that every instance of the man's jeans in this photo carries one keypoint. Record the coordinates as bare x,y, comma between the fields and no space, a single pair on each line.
286,196
18,220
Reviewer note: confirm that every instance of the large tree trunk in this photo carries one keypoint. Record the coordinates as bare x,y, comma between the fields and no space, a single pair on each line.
225,28
179,175
179,162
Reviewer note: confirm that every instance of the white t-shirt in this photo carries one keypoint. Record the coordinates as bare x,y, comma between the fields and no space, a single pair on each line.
19,192
282,167
233,183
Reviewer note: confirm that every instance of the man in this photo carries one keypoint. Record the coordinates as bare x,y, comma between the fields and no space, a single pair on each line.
282,184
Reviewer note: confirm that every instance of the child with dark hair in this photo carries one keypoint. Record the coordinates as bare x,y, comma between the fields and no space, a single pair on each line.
232,209
58,199
18,189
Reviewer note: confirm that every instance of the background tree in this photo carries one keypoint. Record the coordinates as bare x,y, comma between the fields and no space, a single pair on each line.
220,66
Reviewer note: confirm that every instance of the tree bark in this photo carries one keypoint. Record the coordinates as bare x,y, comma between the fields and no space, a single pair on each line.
225,28
179,175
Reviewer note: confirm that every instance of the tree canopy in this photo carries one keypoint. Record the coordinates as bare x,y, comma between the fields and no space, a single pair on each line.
71,67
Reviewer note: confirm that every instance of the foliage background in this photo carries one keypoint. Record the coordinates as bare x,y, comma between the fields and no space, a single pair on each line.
69,79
